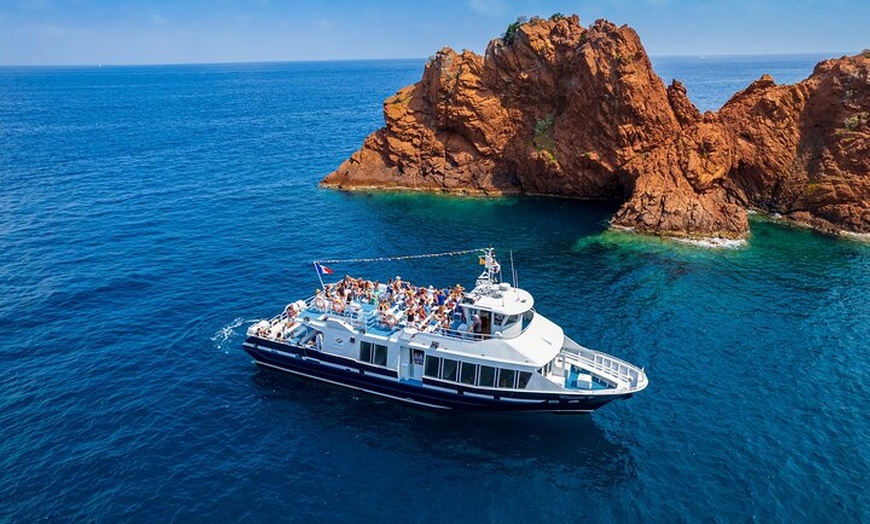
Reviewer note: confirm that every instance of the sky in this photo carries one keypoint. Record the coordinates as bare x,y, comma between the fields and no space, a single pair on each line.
86,32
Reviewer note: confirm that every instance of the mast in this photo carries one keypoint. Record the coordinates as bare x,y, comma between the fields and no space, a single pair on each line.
491,268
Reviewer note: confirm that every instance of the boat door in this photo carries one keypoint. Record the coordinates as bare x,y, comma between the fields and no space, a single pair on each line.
410,363
404,363
417,364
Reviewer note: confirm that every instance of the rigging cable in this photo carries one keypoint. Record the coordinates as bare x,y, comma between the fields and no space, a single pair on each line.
401,257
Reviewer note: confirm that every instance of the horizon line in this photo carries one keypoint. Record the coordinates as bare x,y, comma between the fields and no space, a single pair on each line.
830,55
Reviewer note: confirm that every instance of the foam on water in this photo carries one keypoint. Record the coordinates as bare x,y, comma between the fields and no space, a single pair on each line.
226,338
713,242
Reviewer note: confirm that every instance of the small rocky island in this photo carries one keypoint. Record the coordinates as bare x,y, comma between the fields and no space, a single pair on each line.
555,108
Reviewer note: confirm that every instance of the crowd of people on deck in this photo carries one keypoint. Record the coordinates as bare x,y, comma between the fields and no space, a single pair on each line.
397,300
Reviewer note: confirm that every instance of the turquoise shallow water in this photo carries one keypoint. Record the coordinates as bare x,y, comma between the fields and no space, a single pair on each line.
149,213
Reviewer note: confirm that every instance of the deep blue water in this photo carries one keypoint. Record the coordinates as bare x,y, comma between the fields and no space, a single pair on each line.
712,80
149,213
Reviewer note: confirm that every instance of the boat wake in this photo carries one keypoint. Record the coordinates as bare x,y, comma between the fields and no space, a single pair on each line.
225,336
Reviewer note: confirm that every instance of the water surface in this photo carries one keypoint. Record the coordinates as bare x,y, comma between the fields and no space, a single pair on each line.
147,214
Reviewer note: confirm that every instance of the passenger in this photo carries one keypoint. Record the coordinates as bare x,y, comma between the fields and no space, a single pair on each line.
476,324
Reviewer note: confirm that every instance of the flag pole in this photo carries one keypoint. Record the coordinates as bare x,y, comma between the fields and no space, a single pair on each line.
320,278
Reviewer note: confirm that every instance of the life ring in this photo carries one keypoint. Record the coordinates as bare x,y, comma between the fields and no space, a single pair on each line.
319,303
389,319
338,305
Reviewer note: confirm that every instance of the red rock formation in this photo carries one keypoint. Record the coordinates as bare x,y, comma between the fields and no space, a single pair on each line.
803,150
572,111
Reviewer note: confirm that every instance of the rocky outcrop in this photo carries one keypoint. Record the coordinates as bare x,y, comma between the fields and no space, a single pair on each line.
572,111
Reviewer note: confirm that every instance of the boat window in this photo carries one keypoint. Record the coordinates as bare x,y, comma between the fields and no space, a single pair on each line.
545,371
527,318
365,351
432,365
497,319
506,378
524,378
373,353
448,372
487,377
513,318
380,355
467,372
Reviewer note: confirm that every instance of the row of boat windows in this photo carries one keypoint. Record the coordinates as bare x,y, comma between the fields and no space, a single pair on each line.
475,375
373,353
453,370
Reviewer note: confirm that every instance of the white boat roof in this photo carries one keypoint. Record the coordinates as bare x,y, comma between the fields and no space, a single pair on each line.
500,298
535,346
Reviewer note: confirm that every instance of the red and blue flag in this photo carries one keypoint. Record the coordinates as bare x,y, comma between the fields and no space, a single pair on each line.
322,270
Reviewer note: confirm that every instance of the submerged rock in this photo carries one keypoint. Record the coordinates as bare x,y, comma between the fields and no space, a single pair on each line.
571,111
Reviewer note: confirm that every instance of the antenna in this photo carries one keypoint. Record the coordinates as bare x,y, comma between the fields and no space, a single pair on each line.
513,270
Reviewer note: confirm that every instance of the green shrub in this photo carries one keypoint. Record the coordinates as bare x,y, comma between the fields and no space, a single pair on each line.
543,139
855,121
511,32
543,126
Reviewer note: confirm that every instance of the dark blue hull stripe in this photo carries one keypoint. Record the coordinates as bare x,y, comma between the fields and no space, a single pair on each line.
384,382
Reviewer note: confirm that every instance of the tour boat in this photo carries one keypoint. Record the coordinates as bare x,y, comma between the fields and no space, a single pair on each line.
487,349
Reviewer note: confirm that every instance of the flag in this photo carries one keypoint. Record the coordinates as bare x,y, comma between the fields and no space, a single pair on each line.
322,270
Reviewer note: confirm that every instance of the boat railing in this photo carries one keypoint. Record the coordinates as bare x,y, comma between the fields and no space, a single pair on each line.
608,365
355,317
393,318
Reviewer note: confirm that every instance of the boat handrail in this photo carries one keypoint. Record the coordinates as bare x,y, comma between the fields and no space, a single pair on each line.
359,319
607,364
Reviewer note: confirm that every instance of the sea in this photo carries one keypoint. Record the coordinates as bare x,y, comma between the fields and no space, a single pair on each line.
149,214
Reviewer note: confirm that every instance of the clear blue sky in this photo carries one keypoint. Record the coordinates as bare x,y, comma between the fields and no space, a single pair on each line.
184,31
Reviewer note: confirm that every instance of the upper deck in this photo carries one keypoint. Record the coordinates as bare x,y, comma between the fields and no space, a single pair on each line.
490,310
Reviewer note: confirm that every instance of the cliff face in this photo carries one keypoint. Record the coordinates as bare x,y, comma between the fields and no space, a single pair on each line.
572,111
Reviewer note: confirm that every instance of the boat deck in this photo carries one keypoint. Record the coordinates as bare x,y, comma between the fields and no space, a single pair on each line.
585,381
361,314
